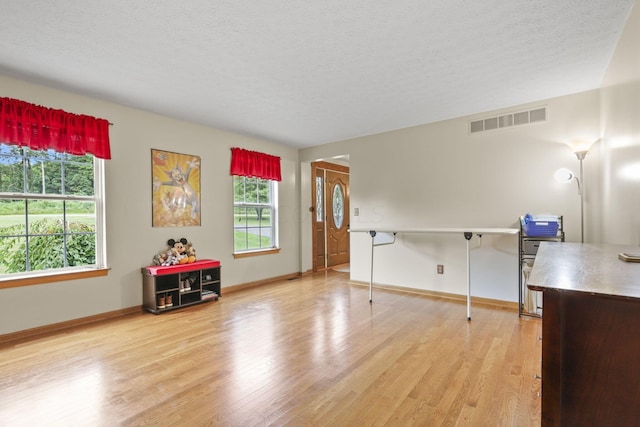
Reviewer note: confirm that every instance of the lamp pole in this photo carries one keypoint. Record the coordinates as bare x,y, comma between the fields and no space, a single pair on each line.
581,155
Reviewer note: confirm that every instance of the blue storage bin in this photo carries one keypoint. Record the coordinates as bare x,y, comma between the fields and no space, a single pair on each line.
540,227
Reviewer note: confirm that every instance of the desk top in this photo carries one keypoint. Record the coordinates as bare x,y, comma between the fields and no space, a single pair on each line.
435,230
585,267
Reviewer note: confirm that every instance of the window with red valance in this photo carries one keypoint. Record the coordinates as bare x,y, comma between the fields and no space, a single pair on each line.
254,164
42,128
255,202
52,194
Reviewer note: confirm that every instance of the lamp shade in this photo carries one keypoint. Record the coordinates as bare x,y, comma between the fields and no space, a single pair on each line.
580,144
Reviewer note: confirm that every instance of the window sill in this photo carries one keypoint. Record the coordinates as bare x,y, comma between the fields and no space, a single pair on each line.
51,278
256,253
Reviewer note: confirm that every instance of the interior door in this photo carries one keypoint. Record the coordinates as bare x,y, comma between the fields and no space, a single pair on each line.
337,217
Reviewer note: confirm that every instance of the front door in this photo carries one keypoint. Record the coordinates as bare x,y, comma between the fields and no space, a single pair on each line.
330,198
337,203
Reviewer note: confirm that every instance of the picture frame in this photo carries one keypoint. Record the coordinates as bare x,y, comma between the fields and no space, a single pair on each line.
175,189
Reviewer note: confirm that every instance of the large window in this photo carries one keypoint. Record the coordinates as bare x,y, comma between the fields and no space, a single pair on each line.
51,211
254,214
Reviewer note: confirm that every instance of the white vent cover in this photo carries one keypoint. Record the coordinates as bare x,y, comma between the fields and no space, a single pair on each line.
508,120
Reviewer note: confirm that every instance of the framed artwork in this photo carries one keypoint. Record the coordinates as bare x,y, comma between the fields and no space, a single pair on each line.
175,189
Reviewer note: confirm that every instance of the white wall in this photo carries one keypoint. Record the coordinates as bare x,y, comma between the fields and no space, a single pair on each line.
437,175
620,115
131,240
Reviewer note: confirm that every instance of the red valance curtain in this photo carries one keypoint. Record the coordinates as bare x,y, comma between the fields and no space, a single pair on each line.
42,128
254,164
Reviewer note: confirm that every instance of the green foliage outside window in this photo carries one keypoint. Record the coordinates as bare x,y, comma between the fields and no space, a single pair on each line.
47,210
253,214
43,172
46,246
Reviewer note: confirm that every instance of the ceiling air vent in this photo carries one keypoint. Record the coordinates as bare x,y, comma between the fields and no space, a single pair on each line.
509,120
491,123
521,118
477,126
539,115
505,121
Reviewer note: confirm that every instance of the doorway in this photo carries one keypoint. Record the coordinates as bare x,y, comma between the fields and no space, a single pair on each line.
330,207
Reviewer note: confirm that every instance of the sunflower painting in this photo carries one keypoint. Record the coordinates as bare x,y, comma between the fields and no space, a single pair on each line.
175,189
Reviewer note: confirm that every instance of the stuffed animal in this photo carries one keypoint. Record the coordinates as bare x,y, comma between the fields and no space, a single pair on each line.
179,252
177,249
165,258
190,252
160,258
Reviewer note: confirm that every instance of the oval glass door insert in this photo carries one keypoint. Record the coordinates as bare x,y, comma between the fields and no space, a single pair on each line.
338,206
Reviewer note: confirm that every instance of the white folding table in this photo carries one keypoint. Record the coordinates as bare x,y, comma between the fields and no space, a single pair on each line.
387,236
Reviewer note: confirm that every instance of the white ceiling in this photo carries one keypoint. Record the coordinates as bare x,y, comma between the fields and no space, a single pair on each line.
309,72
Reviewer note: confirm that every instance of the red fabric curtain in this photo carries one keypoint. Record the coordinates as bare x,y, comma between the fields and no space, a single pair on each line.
41,128
254,164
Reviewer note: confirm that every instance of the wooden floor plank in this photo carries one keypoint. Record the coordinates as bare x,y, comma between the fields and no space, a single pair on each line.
311,351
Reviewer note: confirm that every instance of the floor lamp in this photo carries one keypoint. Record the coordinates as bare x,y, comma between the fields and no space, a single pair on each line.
565,175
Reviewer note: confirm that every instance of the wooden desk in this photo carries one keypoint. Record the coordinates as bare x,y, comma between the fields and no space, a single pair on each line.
591,334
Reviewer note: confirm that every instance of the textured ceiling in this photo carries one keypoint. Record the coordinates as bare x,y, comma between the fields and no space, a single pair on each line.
305,73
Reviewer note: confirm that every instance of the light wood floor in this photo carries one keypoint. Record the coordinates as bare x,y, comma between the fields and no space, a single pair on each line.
305,352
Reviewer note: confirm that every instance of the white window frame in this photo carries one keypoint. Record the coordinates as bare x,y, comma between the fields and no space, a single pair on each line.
273,206
98,198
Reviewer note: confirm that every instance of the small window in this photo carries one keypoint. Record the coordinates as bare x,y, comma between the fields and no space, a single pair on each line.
254,214
319,200
51,211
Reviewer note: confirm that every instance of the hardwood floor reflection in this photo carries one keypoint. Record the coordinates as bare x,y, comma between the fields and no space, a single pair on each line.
310,351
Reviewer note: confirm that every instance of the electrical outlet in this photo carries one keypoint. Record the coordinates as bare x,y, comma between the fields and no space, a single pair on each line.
356,211
440,269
